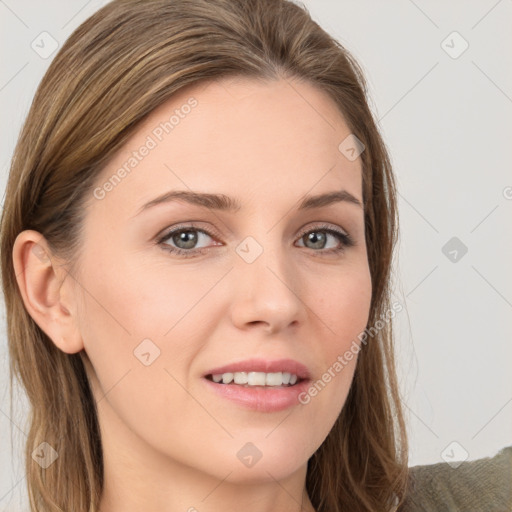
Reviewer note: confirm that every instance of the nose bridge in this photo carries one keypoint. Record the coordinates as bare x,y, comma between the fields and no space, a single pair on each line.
266,284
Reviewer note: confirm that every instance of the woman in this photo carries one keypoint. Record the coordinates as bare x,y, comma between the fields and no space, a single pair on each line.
196,246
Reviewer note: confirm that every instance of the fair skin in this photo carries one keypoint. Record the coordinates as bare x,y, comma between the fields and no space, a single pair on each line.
170,444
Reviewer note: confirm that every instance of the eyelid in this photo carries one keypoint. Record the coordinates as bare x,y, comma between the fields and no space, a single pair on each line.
182,226
323,226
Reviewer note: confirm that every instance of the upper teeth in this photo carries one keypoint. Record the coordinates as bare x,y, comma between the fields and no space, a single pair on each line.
256,378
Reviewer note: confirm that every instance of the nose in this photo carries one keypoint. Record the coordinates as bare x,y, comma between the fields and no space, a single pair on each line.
267,293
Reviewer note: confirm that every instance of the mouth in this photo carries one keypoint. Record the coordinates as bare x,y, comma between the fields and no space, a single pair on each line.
250,393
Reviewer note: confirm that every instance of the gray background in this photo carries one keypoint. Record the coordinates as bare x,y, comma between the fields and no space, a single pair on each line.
447,120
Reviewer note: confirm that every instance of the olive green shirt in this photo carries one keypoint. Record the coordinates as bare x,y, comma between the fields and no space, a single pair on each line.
483,485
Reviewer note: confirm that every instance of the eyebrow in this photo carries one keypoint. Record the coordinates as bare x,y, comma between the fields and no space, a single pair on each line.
222,202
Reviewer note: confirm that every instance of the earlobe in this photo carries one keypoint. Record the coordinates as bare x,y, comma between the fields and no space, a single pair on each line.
45,290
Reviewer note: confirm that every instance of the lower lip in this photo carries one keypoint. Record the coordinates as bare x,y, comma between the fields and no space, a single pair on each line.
259,398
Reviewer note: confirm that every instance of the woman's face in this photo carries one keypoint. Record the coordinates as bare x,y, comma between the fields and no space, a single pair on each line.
263,281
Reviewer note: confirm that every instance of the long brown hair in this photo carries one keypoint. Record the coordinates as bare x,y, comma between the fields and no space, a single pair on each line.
114,70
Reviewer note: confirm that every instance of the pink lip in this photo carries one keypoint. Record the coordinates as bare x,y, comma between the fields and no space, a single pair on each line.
262,365
260,398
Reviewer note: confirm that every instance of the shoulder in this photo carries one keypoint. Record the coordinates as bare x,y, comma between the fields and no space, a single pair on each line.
482,485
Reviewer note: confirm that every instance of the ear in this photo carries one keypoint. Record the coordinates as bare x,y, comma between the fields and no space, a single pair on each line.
47,291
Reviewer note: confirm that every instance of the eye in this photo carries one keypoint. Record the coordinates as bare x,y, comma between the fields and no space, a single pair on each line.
319,235
186,237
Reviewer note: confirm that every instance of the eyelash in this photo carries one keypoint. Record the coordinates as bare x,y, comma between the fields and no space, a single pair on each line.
345,239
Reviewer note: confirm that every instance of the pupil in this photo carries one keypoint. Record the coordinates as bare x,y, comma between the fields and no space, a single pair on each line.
313,237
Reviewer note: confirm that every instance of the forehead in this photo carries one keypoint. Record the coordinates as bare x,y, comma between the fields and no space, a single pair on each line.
235,136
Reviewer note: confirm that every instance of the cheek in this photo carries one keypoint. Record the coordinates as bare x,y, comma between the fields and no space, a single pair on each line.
343,305
137,299
125,307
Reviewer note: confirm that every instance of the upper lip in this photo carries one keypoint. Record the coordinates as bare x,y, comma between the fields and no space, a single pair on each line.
263,365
